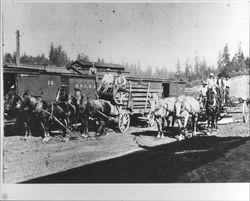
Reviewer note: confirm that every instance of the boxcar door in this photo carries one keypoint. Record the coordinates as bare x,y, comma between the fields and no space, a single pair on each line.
165,93
27,82
48,86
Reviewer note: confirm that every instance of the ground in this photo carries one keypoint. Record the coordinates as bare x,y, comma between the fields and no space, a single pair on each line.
134,157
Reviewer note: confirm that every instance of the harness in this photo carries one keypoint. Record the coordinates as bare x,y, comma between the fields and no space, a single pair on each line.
51,113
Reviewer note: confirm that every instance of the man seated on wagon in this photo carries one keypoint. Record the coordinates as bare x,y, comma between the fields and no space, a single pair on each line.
92,70
107,81
120,82
203,94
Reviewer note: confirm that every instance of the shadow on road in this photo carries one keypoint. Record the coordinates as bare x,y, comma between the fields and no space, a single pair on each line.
160,164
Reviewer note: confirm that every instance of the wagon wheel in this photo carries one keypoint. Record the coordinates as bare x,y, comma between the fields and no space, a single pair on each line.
123,122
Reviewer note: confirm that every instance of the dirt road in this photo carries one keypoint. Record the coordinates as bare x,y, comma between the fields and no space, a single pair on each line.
136,156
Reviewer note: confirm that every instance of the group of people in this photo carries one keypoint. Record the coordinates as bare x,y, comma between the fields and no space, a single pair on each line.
109,79
222,83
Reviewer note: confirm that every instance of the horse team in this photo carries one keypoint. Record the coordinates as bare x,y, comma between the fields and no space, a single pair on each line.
64,114
68,111
185,108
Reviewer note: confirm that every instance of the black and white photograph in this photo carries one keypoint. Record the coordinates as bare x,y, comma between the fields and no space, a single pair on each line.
133,93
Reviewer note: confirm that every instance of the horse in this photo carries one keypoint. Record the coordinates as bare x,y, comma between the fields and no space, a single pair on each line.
96,109
45,114
51,113
16,107
187,107
161,109
63,99
213,108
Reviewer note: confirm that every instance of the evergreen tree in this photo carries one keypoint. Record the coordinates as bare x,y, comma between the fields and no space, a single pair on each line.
8,58
196,67
178,69
187,70
238,61
203,68
225,62
57,56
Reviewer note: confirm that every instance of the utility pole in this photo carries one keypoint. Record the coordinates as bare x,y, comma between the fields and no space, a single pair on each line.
17,48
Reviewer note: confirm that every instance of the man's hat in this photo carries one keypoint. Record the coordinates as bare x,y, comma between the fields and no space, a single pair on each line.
204,83
211,75
108,70
77,89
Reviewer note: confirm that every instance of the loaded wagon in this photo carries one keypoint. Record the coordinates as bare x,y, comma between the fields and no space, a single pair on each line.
134,100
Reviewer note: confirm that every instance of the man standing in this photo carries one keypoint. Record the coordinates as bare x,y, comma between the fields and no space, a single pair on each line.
203,94
220,84
227,86
211,84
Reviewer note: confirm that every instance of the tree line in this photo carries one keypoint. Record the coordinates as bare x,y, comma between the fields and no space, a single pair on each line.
239,64
57,57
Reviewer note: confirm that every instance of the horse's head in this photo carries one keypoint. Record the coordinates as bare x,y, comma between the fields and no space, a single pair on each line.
179,105
210,97
154,101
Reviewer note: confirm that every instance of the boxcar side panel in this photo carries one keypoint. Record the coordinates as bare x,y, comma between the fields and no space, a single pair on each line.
27,82
87,85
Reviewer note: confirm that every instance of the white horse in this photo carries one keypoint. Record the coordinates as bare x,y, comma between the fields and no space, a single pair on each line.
161,109
187,107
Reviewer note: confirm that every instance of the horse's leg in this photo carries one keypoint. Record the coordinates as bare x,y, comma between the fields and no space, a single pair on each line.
158,123
216,121
29,128
185,123
84,127
100,129
194,121
162,127
173,120
208,122
26,132
45,131
65,123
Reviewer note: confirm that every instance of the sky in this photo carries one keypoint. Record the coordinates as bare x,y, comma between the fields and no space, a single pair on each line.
154,34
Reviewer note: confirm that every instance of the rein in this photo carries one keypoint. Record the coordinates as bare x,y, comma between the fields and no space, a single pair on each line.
52,109
56,120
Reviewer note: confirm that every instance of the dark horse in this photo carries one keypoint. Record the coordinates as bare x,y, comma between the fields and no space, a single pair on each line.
38,110
95,109
63,100
49,114
15,107
213,108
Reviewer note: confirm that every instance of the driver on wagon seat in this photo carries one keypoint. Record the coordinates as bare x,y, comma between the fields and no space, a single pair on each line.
120,81
107,80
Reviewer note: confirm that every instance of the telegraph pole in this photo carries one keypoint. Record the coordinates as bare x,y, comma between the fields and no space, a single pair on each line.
17,48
